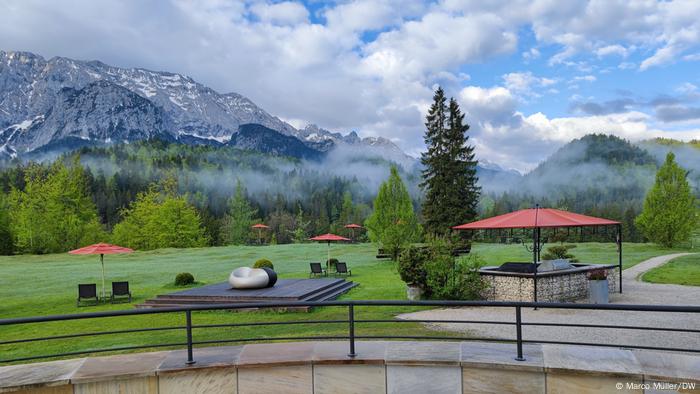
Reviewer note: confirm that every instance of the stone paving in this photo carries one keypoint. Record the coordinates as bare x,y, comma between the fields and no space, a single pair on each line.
634,292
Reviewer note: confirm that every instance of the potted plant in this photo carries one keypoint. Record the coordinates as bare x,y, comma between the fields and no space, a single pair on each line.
411,267
598,286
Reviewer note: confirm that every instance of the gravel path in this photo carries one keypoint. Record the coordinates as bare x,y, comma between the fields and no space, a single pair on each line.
635,292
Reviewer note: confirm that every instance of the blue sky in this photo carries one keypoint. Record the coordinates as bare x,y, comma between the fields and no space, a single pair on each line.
531,75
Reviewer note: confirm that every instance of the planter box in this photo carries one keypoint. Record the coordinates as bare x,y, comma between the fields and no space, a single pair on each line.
598,291
414,293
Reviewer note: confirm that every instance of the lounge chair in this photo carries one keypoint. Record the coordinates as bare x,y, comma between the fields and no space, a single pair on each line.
87,292
120,290
341,268
317,270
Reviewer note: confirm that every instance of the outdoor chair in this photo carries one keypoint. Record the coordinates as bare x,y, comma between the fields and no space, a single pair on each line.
317,270
341,268
382,254
120,291
87,292
466,249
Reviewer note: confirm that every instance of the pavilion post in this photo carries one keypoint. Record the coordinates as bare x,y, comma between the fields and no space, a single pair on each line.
535,243
102,261
619,253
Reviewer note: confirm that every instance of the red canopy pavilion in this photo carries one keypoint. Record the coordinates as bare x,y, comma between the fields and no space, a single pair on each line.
538,218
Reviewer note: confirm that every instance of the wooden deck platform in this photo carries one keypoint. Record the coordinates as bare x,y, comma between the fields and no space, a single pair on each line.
322,289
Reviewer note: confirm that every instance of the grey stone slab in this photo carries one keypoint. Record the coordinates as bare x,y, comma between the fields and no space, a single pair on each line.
497,381
661,365
290,379
121,366
204,358
349,379
337,353
589,359
210,381
271,354
137,385
39,374
420,353
421,379
569,383
501,356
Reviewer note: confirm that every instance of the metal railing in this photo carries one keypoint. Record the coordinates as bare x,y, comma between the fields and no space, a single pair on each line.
351,321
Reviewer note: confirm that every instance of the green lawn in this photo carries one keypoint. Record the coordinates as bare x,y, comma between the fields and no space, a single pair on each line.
683,270
45,285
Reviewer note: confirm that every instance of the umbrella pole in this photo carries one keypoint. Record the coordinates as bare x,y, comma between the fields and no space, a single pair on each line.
328,261
102,261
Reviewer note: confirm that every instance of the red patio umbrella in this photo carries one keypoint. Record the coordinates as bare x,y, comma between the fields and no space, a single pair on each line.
352,227
102,249
260,227
329,238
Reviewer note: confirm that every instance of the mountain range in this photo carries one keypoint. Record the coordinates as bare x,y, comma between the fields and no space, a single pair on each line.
55,105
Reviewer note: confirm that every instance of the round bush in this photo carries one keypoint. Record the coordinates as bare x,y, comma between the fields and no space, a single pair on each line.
264,263
184,279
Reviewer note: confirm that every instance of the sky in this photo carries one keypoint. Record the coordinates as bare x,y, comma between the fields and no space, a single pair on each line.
530,75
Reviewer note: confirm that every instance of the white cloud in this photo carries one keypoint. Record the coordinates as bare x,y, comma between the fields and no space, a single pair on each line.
608,50
587,78
284,13
524,83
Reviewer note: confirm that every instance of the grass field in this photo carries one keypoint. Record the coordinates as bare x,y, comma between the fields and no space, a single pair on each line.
681,271
45,285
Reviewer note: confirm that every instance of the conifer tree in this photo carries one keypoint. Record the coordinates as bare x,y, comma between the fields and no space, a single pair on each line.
240,217
670,209
449,176
393,222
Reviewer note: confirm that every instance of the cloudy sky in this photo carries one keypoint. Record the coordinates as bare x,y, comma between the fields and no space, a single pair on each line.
531,75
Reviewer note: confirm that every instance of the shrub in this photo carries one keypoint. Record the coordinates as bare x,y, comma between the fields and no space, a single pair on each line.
559,252
264,263
184,279
330,263
411,266
450,279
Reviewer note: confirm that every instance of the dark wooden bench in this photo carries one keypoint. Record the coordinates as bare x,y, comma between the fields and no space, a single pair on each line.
466,249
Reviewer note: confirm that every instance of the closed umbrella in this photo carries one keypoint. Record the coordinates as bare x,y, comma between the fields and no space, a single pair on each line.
102,249
328,238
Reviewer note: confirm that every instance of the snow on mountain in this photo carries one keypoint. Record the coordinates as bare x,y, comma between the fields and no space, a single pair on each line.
66,103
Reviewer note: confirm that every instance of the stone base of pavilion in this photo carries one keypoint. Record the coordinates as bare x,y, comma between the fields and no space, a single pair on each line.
554,286
380,367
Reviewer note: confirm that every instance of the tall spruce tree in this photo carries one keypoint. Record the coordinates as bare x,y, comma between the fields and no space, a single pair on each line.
449,177
670,209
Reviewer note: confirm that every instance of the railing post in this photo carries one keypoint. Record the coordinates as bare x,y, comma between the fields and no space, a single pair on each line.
351,329
190,358
519,334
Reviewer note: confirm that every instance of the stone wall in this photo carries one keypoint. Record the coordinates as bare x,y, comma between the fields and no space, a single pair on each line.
550,288
380,367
